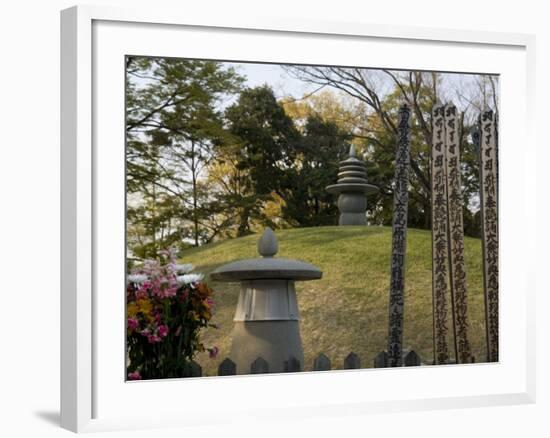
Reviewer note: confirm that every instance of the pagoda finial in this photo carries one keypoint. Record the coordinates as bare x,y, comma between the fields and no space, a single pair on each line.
352,152
268,245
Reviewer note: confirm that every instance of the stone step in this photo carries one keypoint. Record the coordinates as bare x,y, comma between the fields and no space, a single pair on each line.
352,174
352,181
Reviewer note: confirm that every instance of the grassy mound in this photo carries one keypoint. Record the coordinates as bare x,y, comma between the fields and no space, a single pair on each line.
347,310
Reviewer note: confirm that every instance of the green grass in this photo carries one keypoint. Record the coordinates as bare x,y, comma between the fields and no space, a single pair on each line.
347,310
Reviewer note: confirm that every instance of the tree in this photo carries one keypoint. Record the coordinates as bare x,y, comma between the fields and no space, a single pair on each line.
381,92
172,128
264,153
323,146
350,124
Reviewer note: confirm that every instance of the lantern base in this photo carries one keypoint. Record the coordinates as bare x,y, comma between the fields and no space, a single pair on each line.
274,341
352,219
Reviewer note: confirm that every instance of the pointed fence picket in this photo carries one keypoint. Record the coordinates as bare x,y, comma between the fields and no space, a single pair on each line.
352,362
321,363
259,366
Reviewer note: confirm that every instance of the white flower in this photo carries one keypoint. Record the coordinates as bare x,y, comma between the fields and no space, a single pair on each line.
190,278
183,269
137,278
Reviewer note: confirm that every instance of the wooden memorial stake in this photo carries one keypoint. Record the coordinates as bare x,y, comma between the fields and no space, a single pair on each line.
489,219
439,236
399,239
455,227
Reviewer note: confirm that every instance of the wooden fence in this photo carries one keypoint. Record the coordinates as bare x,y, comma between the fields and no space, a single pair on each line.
321,363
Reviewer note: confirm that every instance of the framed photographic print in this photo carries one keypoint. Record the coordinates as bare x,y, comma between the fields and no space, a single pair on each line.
261,213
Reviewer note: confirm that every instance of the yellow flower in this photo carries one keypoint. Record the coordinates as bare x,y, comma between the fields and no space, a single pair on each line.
145,305
193,315
132,309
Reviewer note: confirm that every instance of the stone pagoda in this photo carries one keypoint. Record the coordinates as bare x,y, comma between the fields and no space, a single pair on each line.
352,190
267,317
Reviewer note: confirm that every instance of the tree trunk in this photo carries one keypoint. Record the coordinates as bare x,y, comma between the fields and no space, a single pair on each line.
243,222
195,206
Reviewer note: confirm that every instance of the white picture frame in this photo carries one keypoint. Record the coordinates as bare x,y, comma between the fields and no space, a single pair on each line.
92,387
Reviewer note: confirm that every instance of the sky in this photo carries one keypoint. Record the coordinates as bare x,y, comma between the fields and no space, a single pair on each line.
274,75
285,85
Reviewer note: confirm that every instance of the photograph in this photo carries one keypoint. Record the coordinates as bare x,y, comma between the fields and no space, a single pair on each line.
276,219
308,218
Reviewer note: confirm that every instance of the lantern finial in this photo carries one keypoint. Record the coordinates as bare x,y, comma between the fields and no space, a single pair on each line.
268,245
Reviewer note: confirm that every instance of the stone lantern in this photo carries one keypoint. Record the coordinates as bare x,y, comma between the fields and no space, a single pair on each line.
267,320
352,190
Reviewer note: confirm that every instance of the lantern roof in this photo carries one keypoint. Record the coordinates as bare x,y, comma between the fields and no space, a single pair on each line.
267,266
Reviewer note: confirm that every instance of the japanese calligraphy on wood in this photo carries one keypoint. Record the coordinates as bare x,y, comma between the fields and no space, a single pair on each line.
439,236
399,239
455,226
489,214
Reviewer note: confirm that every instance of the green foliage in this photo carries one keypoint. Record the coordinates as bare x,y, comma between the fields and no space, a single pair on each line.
323,145
199,171
282,161
268,137
172,127
267,153
376,131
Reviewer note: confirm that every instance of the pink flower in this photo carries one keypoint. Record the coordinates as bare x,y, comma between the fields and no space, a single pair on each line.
133,323
134,376
163,331
155,289
213,352
151,267
153,339
141,293
170,291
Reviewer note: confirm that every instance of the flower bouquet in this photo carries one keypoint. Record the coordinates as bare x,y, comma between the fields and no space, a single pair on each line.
166,306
